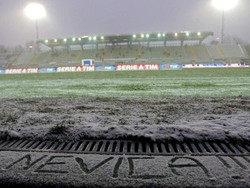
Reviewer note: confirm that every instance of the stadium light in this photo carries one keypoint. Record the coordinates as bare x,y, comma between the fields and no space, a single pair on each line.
94,38
199,33
176,34
142,35
163,34
90,38
187,34
46,41
35,11
134,36
147,35
102,37
79,39
159,35
55,40
73,39
224,5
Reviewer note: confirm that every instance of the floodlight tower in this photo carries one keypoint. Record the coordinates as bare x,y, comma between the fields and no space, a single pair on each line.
35,11
224,5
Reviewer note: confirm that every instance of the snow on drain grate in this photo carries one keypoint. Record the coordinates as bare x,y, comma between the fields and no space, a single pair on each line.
127,147
123,163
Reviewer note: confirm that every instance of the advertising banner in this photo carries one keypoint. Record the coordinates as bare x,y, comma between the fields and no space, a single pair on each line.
106,68
237,65
21,71
213,65
134,67
170,66
47,69
202,65
2,71
76,69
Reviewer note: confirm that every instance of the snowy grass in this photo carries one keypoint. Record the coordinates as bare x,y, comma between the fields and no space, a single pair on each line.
81,117
188,82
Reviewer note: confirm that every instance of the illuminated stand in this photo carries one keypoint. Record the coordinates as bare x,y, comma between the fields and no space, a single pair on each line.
224,5
35,11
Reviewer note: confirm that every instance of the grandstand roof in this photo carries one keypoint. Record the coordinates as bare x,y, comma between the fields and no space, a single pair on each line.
127,38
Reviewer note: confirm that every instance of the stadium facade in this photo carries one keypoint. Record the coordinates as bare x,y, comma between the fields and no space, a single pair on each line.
139,48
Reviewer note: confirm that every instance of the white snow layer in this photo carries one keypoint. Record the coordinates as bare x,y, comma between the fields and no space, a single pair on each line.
227,127
90,122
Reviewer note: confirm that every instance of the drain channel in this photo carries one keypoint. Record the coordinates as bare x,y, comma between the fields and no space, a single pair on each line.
126,147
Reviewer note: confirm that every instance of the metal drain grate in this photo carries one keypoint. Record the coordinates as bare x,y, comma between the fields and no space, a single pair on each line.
126,147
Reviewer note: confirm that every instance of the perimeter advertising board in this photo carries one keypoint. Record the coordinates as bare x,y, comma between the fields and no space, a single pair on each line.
2,71
76,69
47,69
166,66
21,71
106,68
137,67
212,65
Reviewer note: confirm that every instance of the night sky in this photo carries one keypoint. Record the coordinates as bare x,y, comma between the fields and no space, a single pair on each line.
74,18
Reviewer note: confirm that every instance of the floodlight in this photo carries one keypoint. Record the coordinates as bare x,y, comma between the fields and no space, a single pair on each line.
35,11
90,38
134,36
224,4
102,37
46,41
163,34
159,35
79,38
73,39
65,40
55,40
199,33
94,38
142,35
147,35
176,34
187,34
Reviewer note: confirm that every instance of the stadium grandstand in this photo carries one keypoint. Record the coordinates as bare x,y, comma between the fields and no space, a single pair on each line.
182,47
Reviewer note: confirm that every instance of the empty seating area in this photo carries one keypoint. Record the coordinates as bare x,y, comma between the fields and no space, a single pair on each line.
8,59
126,54
215,52
202,53
233,51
